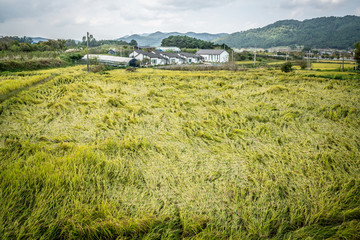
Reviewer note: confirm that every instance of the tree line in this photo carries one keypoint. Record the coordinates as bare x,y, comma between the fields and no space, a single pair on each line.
189,42
25,44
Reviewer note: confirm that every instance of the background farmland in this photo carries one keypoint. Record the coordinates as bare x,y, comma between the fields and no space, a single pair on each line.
158,154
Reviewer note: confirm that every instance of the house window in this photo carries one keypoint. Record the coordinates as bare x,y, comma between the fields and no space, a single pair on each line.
154,61
172,60
189,60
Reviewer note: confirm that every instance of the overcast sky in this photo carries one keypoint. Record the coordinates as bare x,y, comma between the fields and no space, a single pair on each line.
110,19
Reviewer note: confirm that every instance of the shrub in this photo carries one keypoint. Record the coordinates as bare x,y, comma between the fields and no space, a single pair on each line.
134,63
131,69
71,57
33,64
286,67
302,64
97,68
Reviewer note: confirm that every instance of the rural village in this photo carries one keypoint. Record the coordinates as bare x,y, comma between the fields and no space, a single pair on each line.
163,56
156,56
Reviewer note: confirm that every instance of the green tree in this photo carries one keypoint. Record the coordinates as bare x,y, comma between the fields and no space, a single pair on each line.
133,43
70,43
357,53
25,47
303,64
306,49
92,41
3,46
189,42
15,48
286,67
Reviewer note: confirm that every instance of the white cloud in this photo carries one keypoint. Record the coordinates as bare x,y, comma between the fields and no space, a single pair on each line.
194,5
297,12
357,11
321,4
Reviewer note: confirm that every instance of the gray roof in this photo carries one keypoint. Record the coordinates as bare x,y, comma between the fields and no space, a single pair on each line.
189,55
157,52
171,55
149,54
210,51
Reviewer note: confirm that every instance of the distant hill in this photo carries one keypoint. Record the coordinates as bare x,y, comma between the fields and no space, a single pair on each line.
324,32
154,39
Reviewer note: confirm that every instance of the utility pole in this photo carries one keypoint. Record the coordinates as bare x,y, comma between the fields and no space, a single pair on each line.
255,57
309,64
87,51
343,61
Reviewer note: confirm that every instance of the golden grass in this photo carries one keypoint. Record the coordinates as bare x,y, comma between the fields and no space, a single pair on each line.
160,154
13,81
336,65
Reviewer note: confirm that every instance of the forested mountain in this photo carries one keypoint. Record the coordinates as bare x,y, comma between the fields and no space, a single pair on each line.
324,32
154,39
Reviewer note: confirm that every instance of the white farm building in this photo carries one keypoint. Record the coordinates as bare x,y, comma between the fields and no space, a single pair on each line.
214,55
109,60
155,59
191,58
169,49
161,58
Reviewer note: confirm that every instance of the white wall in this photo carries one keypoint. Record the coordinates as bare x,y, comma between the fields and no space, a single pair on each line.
223,57
173,60
190,60
157,61
137,56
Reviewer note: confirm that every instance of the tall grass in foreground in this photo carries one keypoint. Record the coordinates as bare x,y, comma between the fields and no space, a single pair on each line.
13,81
168,155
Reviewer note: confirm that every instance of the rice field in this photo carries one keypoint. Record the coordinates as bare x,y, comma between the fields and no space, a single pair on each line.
322,65
158,154
333,65
11,81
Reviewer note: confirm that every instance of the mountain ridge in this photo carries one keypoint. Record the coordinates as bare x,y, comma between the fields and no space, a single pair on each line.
154,39
322,32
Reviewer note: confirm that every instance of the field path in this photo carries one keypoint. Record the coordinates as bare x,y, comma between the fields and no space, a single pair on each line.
6,96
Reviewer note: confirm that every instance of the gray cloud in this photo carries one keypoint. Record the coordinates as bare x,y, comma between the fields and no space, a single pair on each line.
36,9
114,18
